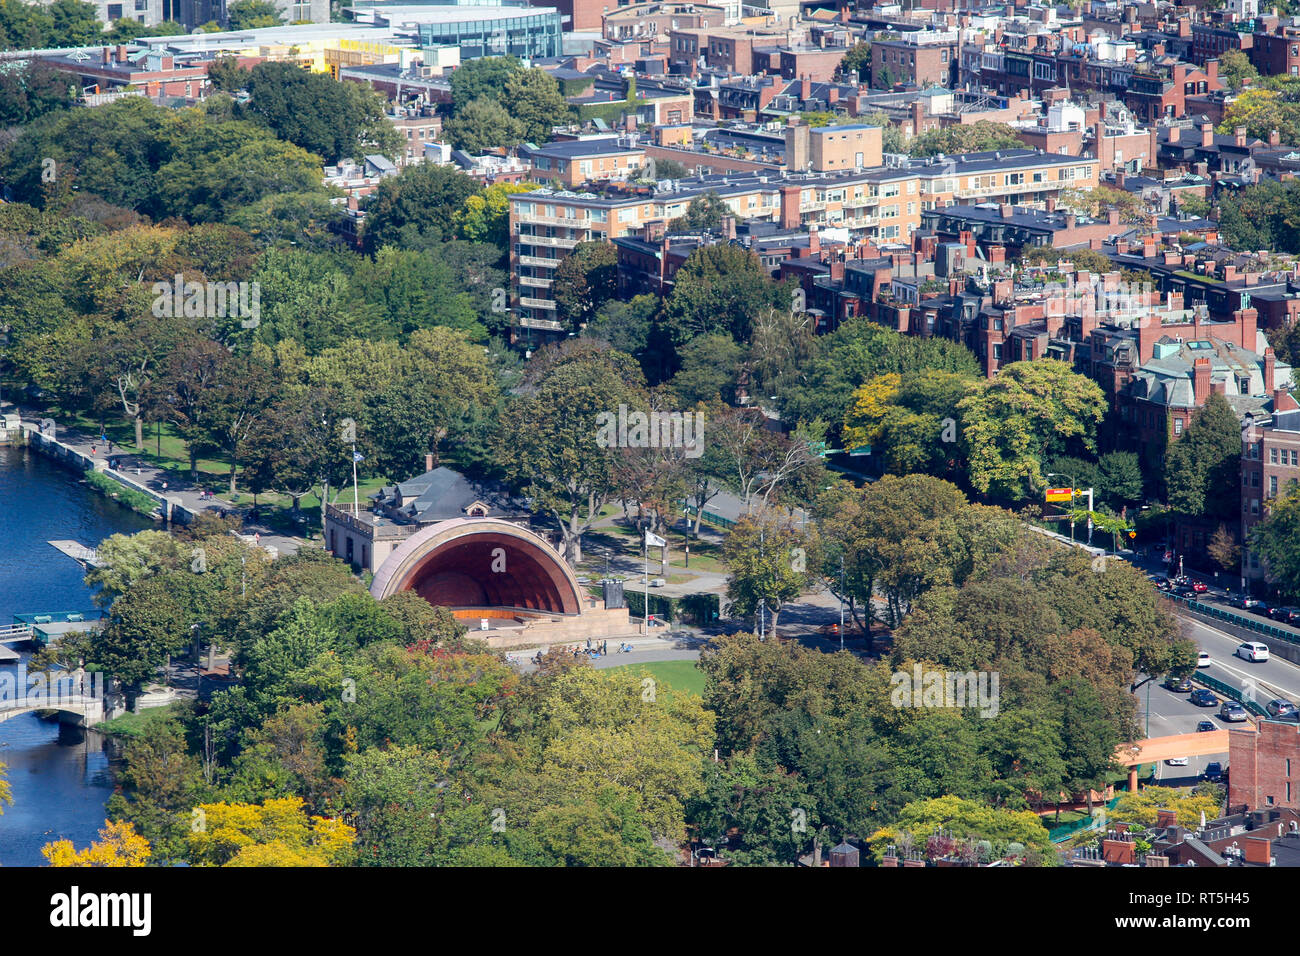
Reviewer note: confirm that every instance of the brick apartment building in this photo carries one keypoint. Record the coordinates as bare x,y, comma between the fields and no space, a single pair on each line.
1270,464
1276,53
1265,765
922,59
576,162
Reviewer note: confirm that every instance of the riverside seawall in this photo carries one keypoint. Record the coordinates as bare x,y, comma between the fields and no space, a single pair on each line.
31,435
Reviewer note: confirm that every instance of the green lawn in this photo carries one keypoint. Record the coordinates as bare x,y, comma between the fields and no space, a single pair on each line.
681,676
132,725
706,556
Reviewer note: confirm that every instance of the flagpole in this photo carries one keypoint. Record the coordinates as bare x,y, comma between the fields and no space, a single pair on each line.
645,581
356,507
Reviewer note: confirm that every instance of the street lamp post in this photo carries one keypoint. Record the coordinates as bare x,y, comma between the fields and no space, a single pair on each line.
841,602
1053,474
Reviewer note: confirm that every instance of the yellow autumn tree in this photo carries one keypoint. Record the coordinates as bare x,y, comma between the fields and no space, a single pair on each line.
864,420
1142,806
6,795
118,845
274,833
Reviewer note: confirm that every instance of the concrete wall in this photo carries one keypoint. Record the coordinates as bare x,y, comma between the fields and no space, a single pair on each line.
171,508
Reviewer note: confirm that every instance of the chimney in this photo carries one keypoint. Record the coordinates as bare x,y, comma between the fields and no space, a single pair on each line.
814,241
1070,220
1274,138
1006,210
1257,851
1174,131
1201,381
1239,136
428,461
108,56
805,87
1207,134
1050,204
1212,71
121,53
1112,217
1119,179
1270,369
1121,247
832,94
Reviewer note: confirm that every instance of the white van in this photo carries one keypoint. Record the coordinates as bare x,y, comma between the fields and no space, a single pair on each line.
1253,651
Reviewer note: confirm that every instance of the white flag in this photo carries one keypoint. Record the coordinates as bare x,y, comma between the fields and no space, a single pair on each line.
654,541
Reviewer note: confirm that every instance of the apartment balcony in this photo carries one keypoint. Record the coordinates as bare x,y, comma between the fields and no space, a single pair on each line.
535,282
554,242
561,221
538,261
545,325
548,304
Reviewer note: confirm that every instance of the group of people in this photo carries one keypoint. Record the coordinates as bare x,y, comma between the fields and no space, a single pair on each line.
577,650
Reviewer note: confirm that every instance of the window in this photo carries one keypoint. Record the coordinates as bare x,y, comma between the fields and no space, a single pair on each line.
1272,456
1178,426
1272,486
1254,479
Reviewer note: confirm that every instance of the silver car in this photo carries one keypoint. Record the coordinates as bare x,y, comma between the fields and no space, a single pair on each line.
1232,711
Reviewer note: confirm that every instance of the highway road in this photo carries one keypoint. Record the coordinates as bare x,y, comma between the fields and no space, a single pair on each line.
1174,713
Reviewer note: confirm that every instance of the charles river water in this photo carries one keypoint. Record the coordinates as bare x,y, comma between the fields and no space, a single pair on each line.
61,776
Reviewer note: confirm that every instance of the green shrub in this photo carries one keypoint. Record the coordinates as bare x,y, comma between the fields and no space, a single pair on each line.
135,500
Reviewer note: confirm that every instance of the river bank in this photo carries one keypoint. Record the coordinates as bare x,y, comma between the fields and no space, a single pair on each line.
61,776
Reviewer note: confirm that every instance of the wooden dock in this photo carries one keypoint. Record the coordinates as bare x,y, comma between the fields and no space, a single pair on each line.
78,552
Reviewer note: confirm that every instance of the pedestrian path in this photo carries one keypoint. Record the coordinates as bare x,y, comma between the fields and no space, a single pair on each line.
189,495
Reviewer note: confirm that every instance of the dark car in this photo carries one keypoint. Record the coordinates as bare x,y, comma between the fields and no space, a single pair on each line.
1281,613
1277,707
1179,685
1203,697
1213,771
1205,726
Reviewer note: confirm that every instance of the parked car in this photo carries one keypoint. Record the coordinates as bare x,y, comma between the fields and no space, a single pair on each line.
1213,771
1243,603
1292,617
1203,697
1277,707
1253,651
1200,587
1179,685
1205,726
1177,761
1232,712
1281,613
1203,659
